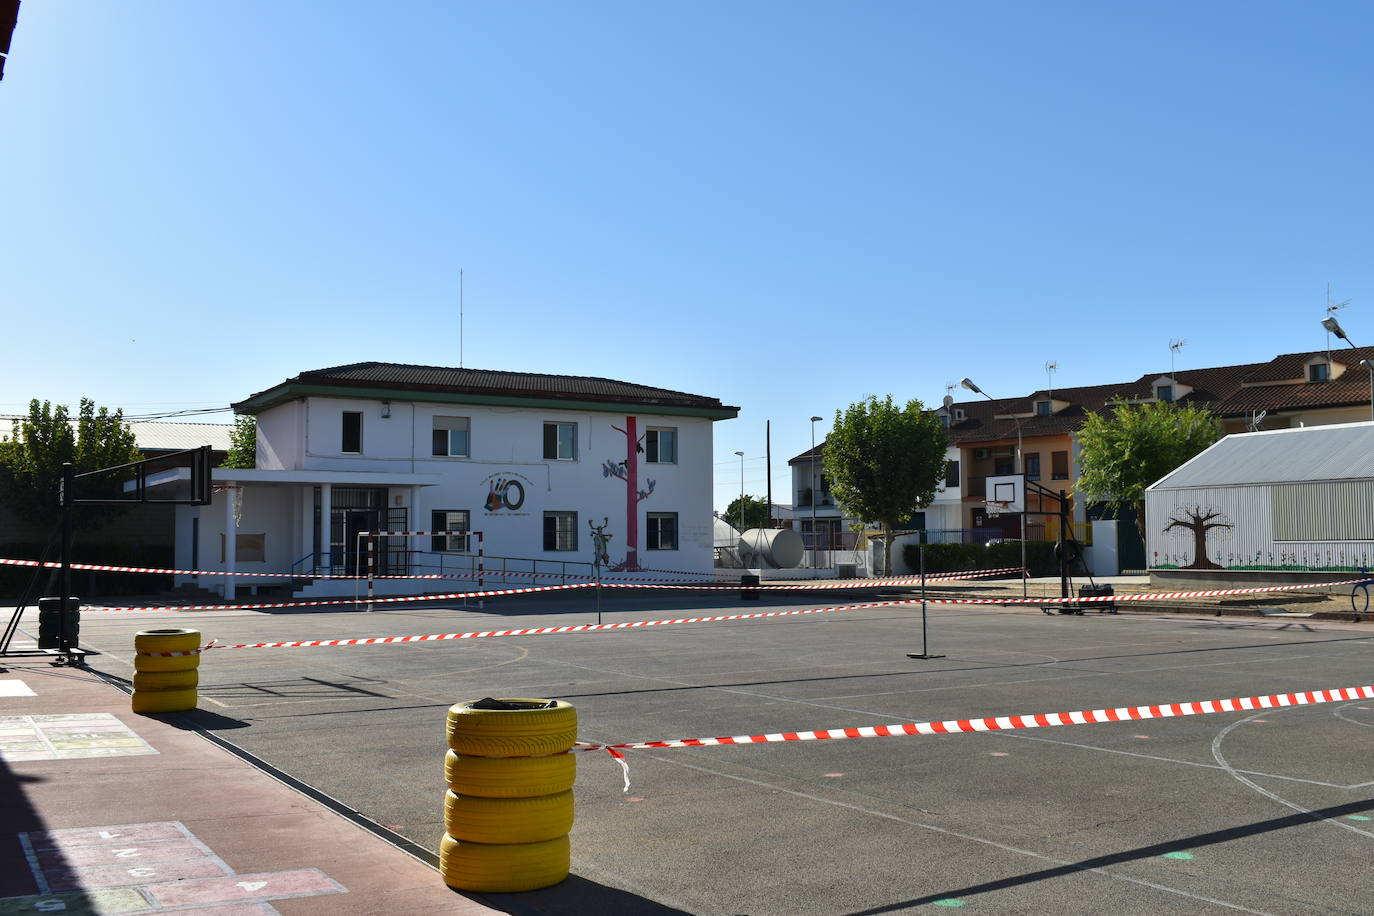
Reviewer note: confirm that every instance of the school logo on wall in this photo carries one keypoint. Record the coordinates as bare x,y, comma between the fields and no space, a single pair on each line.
505,493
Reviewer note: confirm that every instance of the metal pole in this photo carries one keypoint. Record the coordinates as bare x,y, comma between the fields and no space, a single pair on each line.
815,537
925,648
1021,469
68,479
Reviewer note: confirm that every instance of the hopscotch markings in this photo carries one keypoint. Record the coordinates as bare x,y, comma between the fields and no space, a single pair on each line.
305,882
68,737
147,868
13,687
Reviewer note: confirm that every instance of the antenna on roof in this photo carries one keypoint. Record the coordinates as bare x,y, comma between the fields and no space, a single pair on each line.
1331,309
1051,367
1175,345
1257,420
460,318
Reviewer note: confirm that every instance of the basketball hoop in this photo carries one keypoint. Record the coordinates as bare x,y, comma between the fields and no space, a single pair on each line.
237,497
996,507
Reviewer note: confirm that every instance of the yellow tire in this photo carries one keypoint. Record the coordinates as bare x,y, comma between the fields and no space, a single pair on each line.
166,680
509,777
504,869
503,821
164,700
533,729
178,640
160,664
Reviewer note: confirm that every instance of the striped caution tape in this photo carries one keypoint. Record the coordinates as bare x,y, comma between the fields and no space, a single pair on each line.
1005,723
935,578
489,593
617,582
535,631
717,618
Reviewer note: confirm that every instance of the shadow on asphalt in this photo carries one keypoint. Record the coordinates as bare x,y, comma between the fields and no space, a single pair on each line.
1181,845
576,897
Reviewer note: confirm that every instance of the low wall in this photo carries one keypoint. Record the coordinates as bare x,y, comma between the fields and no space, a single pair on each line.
1192,579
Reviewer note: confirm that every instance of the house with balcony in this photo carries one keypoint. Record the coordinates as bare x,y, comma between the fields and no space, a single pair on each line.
510,471
1289,391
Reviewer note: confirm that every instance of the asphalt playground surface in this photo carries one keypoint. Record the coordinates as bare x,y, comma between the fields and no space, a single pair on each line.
1253,812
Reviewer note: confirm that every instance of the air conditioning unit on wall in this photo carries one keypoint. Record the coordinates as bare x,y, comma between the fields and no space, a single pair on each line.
979,454
1007,450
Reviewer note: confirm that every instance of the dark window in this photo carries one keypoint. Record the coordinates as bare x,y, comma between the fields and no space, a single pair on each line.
1003,466
662,534
660,446
449,520
450,439
560,530
352,432
560,441
1318,372
951,474
1042,408
1059,465
1033,466
1165,393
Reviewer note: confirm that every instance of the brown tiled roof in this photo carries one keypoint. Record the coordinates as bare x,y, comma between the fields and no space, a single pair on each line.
1228,391
810,454
402,377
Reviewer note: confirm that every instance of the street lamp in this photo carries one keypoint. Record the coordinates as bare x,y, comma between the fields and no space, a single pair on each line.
1020,469
741,491
1334,327
814,421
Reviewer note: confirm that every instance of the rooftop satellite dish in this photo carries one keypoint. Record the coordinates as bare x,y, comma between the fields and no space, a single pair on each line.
949,400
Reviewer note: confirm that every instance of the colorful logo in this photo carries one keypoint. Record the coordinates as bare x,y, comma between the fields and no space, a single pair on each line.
504,493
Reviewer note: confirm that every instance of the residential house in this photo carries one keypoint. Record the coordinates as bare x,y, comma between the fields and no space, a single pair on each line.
517,467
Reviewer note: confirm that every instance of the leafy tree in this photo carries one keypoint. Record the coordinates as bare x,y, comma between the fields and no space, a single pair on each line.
1124,453
755,513
885,462
243,444
31,458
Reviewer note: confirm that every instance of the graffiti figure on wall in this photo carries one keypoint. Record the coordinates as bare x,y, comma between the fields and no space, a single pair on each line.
1199,521
628,471
601,543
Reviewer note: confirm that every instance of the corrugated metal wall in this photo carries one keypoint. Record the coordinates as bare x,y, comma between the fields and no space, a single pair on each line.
1329,526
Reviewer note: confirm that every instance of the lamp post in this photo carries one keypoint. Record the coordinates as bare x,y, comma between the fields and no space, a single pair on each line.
1020,469
1334,326
814,537
741,491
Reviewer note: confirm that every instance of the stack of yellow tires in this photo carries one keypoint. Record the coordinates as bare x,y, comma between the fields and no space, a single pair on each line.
509,805
166,683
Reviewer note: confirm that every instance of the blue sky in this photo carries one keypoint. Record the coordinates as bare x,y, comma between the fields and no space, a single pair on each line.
789,206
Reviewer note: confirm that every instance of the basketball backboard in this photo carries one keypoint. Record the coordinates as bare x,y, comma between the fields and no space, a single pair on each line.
1009,489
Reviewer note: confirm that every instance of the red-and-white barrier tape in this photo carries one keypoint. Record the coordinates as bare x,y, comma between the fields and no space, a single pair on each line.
490,593
1000,723
532,631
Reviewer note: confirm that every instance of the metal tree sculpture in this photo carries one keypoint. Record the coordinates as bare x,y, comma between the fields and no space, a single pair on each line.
1199,521
628,471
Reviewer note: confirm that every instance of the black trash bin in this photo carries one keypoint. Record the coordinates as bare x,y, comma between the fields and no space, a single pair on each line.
50,622
1098,591
749,588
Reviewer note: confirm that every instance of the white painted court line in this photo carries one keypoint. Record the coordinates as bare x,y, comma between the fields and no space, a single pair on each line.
13,687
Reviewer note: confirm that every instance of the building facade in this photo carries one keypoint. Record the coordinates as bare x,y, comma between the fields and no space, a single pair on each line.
527,465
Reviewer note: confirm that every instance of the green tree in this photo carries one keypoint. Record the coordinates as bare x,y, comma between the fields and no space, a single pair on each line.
1124,453
755,513
31,458
243,444
885,462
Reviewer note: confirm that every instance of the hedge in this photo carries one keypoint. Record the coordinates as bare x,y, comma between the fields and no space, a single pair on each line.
15,579
943,558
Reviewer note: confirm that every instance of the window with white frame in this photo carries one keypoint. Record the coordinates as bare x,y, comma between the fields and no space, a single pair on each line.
450,520
560,530
660,445
450,438
352,439
662,533
560,441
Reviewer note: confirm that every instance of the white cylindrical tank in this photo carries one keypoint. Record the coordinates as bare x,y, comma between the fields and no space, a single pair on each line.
779,548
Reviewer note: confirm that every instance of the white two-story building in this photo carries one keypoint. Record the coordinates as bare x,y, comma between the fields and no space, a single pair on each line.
529,461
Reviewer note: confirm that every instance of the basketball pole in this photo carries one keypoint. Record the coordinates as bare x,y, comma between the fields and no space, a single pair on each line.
925,647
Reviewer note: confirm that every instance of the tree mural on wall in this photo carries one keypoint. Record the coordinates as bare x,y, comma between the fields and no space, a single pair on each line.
1199,521
628,471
